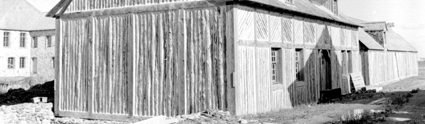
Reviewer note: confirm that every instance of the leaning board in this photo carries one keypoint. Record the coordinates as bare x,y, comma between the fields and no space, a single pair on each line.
358,81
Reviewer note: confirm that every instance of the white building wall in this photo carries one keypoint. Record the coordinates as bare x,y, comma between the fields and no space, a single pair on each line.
14,50
44,54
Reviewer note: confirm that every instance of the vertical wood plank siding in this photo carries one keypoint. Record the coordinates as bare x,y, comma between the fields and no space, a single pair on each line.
258,31
112,39
76,64
178,57
85,5
383,67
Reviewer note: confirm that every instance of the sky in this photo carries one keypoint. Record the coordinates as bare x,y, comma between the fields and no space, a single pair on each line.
43,5
408,17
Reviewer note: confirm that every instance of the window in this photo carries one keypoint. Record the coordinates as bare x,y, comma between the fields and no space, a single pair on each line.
289,1
22,62
22,40
299,63
344,62
34,65
335,6
49,41
34,42
6,39
11,63
53,62
350,62
276,66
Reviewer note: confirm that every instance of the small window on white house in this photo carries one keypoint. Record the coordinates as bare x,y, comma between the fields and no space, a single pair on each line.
34,65
11,63
53,62
289,1
34,42
6,39
49,41
276,66
22,40
335,6
299,64
22,62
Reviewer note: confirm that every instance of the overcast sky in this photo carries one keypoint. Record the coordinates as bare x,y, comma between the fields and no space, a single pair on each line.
408,15
44,5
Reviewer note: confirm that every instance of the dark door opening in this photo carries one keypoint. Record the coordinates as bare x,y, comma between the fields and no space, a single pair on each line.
325,70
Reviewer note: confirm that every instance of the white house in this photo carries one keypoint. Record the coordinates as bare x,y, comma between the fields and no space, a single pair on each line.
26,40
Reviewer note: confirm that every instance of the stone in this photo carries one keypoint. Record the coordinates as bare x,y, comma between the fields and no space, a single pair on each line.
37,109
45,122
242,121
23,122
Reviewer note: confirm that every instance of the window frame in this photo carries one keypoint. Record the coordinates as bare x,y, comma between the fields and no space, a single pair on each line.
22,39
335,7
289,2
6,39
49,41
276,59
22,62
34,69
53,62
10,63
34,42
299,64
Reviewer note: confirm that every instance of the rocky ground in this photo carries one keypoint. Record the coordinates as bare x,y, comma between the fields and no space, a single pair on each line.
26,113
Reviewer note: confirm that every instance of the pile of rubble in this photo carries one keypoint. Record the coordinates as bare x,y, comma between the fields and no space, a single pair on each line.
27,113
16,96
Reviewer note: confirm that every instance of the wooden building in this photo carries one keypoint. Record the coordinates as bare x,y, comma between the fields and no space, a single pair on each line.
141,58
386,56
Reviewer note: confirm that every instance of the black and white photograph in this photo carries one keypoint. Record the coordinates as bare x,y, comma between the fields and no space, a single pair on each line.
212,61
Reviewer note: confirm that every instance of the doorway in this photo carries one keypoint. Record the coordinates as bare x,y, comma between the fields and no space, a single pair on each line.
325,70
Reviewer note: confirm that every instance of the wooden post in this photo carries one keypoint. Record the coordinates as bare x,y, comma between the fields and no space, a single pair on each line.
58,66
230,57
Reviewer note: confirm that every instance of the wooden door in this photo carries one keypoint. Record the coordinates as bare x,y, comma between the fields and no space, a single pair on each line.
325,70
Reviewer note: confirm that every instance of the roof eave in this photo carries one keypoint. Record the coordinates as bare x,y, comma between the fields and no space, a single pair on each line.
296,12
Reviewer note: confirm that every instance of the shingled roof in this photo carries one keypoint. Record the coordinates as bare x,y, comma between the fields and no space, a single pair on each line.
306,8
21,15
368,41
395,42
300,7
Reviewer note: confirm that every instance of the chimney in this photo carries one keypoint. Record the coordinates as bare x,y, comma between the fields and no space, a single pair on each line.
390,25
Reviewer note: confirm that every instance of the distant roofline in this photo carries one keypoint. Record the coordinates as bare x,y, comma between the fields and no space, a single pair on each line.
25,30
375,22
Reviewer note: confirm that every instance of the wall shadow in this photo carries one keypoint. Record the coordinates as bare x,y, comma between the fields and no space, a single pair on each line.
322,71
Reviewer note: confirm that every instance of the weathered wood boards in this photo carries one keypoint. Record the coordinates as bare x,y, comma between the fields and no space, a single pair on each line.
145,64
186,60
382,67
357,80
257,33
